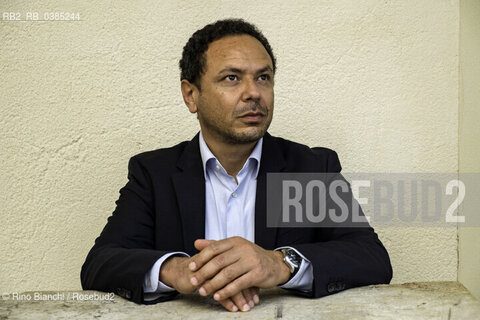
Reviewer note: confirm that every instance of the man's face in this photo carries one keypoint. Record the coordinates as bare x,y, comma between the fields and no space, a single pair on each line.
235,103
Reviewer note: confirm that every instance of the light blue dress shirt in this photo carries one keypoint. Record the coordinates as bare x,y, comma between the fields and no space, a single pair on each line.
229,212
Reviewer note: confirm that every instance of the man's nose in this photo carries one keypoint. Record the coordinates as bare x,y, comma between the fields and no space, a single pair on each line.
251,90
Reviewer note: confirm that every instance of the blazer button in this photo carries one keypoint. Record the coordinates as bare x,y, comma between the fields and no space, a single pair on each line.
121,292
339,286
331,287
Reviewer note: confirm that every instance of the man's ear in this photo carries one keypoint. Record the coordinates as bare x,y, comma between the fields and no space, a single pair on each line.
190,95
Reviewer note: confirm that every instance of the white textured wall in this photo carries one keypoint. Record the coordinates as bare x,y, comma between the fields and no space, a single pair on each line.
469,130
375,80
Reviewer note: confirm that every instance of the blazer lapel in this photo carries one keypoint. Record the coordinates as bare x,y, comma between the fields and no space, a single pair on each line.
189,186
272,161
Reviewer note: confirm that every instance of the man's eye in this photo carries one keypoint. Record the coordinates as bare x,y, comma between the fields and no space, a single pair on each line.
231,77
264,77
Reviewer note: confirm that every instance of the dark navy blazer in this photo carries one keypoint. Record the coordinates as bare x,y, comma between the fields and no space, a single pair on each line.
162,209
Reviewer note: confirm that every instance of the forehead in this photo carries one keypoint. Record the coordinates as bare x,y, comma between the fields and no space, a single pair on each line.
242,51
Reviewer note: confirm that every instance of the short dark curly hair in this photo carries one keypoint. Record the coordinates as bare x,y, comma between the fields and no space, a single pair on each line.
193,61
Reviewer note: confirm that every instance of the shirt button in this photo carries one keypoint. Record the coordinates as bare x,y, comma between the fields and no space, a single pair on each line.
234,194
218,167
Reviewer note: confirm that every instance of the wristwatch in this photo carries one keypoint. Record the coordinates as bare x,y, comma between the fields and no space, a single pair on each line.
292,259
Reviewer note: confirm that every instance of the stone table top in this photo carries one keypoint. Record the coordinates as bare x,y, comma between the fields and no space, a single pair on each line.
420,300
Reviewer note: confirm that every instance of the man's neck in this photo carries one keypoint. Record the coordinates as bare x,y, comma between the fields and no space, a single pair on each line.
231,156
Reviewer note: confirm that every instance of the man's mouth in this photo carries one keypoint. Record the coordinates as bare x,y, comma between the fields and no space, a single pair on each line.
253,116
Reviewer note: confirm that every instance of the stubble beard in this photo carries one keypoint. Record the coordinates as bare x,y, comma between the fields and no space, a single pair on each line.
228,134
231,136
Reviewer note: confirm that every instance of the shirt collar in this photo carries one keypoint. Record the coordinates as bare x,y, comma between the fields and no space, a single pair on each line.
206,154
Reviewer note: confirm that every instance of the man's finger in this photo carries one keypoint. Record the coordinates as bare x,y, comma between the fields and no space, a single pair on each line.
200,244
233,287
228,276
213,249
256,294
248,294
229,305
241,300
213,267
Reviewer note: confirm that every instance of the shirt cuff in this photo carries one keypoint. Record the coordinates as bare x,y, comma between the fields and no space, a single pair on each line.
303,280
152,284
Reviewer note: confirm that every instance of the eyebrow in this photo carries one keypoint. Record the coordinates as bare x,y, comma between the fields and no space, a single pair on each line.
236,70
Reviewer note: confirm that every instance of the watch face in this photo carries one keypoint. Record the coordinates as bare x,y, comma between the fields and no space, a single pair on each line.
294,258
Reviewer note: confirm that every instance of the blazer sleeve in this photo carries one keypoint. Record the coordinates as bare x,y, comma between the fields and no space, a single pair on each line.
124,252
342,257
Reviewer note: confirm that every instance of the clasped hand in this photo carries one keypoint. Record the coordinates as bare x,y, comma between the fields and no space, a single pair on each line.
232,270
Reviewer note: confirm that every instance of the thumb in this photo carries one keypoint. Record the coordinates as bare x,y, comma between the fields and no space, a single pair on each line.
201,244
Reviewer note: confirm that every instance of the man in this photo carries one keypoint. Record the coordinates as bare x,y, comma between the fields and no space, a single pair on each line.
193,217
